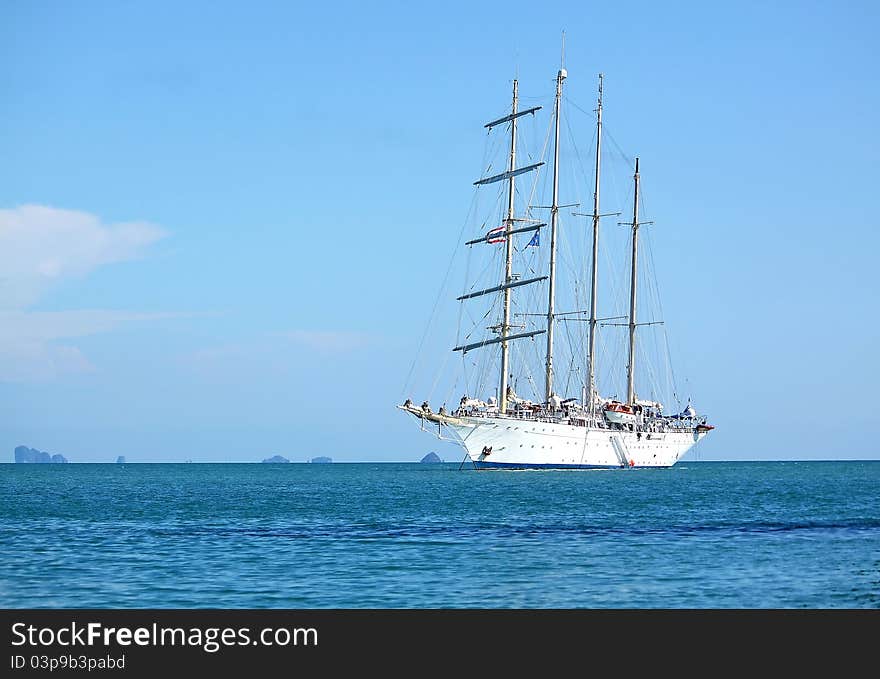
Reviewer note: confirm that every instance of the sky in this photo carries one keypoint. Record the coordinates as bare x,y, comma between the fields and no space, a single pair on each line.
224,226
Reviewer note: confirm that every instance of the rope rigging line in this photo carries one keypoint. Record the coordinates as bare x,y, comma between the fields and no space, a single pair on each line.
440,292
491,148
629,160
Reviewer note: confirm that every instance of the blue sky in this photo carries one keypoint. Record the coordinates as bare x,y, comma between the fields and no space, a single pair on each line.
223,226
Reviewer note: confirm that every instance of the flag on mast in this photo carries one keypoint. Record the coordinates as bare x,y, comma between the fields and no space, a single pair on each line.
535,240
495,235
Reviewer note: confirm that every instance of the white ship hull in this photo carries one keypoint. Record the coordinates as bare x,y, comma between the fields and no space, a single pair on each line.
510,443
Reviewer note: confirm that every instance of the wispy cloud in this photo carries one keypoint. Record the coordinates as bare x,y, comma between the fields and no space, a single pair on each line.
35,345
28,362
51,325
276,352
329,341
41,245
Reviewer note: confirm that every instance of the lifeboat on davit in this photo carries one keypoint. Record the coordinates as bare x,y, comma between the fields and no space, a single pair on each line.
619,413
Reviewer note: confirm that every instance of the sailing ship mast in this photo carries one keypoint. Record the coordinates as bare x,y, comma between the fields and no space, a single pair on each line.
508,261
591,362
510,281
554,220
630,368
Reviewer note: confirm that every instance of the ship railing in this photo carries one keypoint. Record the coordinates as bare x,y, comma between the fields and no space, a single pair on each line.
577,419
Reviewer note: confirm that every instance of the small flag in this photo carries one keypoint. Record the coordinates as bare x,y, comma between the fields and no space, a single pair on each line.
535,240
495,235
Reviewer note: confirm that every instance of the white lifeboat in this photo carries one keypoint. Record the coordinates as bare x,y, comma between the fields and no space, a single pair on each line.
619,413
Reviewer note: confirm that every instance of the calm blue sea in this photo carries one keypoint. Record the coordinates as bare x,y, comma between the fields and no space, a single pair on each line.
699,535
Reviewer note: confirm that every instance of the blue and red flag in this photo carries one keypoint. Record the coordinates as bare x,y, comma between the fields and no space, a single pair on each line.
495,235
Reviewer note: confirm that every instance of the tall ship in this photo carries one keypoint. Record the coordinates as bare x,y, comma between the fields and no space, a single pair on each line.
520,345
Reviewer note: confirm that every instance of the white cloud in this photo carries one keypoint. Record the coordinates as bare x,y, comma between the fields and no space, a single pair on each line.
276,353
41,362
41,245
329,341
52,325
35,347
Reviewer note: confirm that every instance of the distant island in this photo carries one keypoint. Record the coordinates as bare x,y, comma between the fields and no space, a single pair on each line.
32,455
321,460
275,459
431,457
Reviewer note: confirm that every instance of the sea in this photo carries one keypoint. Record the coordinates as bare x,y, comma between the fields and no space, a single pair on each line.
414,535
